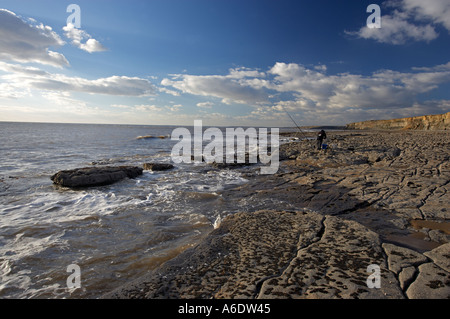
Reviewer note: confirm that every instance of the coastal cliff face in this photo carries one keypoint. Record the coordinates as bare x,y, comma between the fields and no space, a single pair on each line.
426,122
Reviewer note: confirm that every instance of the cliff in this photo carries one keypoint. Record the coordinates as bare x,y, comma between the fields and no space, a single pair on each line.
426,122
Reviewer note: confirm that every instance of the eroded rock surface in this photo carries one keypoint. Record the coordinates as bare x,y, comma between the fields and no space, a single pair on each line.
312,229
335,267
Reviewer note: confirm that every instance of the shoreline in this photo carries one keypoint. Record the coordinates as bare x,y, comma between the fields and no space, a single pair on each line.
373,198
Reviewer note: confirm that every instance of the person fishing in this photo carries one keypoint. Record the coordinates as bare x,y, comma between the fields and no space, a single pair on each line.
320,137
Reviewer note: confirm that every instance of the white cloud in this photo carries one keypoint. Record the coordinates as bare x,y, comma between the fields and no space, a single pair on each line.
92,45
438,11
441,67
205,105
113,85
144,107
312,85
78,35
33,78
396,30
381,90
120,106
314,95
10,91
174,108
236,87
321,67
242,72
167,91
64,99
24,42
19,69
411,20
148,107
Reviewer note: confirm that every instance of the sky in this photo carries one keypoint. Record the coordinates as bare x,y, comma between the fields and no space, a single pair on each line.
225,62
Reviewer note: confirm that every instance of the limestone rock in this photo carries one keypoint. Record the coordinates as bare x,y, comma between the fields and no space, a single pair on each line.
406,276
367,188
335,267
233,260
441,256
433,279
432,283
269,254
401,257
94,176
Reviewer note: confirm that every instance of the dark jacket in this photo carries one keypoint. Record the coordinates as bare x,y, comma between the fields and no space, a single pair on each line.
322,135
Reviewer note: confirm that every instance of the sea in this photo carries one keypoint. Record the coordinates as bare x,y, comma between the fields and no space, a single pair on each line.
105,236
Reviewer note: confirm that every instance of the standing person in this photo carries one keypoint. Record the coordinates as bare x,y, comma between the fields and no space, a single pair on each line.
320,137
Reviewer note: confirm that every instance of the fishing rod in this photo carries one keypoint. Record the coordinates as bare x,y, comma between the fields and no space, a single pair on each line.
295,123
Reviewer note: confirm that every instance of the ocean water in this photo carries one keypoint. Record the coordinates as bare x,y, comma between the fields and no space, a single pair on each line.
114,233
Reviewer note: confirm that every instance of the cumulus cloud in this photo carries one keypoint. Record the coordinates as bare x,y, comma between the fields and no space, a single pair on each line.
167,91
28,41
77,36
438,11
242,72
239,86
312,93
205,105
382,89
33,78
174,107
396,30
410,20
24,42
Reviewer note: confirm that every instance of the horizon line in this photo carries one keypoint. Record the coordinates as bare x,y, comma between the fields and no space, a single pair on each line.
169,125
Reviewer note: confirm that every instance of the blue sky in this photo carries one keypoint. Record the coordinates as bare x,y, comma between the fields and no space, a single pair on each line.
225,62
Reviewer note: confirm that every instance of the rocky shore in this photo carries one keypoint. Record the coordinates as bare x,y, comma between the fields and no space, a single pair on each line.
366,218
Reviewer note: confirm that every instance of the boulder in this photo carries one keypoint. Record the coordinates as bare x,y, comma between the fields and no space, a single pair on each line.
157,166
94,176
